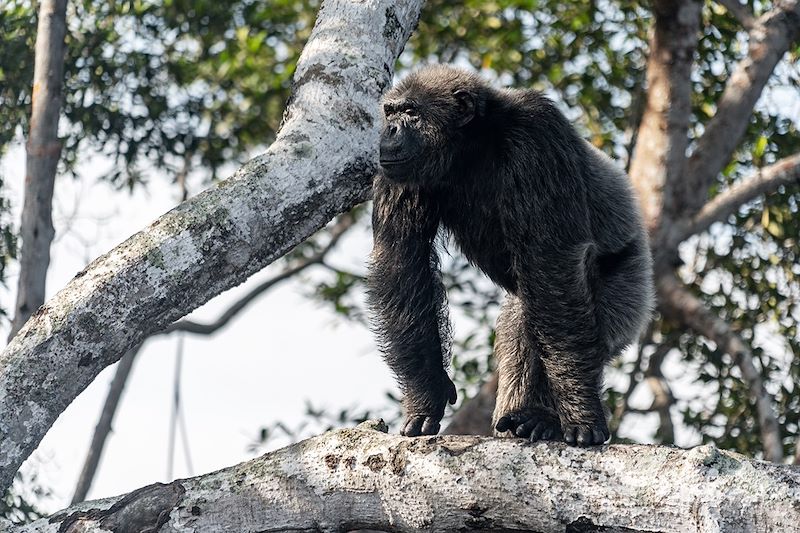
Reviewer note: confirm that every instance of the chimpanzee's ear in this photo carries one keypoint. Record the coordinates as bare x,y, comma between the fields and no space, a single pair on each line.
467,107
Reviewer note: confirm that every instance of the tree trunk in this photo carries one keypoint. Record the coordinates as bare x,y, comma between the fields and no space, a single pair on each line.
43,153
359,478
321,164
657,166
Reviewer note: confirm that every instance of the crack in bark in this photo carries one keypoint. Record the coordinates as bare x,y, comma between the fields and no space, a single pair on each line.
144,510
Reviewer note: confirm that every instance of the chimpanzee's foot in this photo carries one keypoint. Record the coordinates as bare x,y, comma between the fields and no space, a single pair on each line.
587,434
535,423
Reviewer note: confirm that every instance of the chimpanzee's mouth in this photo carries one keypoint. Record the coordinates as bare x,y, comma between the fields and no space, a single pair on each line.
394,162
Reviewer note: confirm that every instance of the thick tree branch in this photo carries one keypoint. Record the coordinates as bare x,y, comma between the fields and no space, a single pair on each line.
117,386
768,41
189,326
43,152
659,159
321,164
359,478
681,305
783,172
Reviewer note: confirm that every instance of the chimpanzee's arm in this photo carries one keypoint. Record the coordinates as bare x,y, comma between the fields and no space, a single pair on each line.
407,299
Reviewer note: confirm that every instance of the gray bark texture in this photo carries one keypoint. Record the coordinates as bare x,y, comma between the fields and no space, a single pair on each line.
43,152
321,164
361,478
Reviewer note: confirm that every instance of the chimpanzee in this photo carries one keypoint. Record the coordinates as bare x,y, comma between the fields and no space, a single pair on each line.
544,214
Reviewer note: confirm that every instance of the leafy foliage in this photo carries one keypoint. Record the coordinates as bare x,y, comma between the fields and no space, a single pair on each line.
172,85
17,508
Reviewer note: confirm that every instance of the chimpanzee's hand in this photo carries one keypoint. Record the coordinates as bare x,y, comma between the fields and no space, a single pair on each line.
425,407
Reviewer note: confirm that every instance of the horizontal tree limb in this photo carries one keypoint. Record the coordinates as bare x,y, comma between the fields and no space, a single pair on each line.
766,180
321,164
360,478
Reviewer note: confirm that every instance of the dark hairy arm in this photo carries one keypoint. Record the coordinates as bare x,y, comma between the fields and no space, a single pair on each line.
407,300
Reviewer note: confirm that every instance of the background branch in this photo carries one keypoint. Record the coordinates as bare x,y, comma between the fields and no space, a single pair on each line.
474,417
659,159
683,306
768,179
43,150
103,427
768,40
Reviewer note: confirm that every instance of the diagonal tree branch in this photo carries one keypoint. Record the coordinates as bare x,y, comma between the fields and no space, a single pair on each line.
357,478
680,304
345,222
768,179
103,428
320,165
768,41
740,11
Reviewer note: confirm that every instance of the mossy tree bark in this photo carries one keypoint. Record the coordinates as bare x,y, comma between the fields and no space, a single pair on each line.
361,478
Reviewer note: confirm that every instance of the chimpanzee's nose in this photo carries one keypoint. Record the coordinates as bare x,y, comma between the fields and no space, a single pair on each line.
391,144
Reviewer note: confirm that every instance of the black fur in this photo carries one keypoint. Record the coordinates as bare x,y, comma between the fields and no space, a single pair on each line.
544,214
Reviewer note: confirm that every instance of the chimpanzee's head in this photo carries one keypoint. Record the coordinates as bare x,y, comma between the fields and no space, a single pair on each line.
425,117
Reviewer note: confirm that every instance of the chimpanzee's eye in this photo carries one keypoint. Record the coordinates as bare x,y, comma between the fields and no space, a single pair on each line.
411,111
